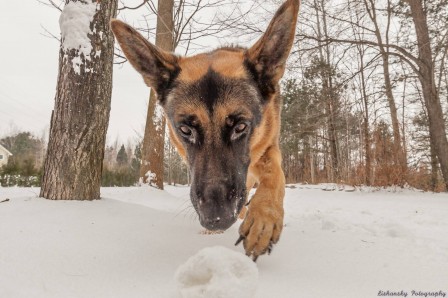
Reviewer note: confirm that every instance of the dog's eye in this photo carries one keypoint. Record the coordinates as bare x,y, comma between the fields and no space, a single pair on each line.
240,127
238,131
185,130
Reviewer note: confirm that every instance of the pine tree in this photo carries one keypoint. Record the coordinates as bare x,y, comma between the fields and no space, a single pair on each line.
122,156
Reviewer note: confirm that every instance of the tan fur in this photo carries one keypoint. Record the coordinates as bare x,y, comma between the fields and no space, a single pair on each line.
194,108
176,142
222,111
225,62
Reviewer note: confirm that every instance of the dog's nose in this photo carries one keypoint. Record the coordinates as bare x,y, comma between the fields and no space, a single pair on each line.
214,193
215,208
213,222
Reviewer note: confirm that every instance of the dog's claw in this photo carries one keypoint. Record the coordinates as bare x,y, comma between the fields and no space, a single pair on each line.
260,230
241,238
270,247
252,254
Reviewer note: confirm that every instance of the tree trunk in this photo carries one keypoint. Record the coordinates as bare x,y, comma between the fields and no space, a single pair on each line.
329,97
151,170
73,164
399,155
366,128
332,135
312,170
430,94
434,167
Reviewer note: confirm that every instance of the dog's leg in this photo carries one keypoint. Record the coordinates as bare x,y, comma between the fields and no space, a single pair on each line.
251,181
263,223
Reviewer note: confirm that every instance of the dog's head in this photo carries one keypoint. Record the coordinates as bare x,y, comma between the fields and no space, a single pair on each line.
220,106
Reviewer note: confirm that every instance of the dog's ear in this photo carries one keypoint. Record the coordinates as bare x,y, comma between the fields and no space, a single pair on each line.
267,57
157,67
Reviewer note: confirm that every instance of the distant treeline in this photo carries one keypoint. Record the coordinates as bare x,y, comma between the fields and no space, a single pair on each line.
121,163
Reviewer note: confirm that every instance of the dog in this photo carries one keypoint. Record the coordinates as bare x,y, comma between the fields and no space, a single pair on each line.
223,113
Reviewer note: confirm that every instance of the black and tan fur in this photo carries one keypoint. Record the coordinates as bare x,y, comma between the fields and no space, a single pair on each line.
223,114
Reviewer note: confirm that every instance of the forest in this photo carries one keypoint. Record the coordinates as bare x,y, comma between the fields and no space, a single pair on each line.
371,96
365,95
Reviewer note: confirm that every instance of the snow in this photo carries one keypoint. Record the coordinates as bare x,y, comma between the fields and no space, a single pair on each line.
75,22
157,118
131,243
150,177
217,272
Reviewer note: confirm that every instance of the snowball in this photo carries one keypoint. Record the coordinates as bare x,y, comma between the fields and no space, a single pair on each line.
217,272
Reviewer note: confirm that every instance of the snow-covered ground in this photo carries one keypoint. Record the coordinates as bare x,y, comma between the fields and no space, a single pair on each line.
131,243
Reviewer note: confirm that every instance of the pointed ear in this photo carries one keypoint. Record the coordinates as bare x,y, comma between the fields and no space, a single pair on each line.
267,57
157,67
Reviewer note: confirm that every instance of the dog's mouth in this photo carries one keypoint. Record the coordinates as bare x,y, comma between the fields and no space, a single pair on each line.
218,212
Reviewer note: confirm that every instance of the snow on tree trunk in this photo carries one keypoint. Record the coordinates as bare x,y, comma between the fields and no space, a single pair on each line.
73,165
151,170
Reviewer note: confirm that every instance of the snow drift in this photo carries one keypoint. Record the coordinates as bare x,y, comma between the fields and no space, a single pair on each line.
131,243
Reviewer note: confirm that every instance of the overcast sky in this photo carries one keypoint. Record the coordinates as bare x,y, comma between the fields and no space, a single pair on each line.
28,74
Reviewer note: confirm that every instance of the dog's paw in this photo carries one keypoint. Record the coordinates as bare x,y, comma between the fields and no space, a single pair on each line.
261,229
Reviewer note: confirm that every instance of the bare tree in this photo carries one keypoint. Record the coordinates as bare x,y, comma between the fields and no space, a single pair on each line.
328,90
416,54
73,164
151,170
426,74
372,12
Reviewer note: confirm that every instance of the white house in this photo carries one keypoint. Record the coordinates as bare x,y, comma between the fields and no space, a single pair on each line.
4,155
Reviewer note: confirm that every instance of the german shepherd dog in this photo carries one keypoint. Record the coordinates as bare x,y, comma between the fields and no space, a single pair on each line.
223,113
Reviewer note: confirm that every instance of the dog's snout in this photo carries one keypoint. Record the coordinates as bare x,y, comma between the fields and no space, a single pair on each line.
213,223
214,207
214,193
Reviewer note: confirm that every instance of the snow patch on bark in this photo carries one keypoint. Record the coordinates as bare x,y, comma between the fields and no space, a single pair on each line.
75,22
150,178
157,118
